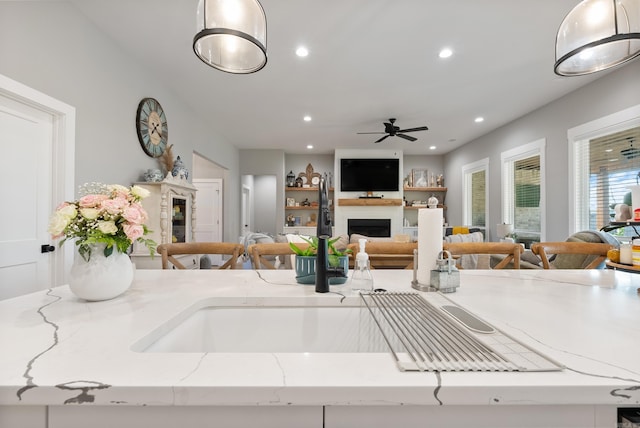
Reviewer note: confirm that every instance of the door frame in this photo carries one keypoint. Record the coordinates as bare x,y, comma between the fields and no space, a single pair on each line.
63,158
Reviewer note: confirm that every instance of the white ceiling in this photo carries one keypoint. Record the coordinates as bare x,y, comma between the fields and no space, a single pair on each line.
369,60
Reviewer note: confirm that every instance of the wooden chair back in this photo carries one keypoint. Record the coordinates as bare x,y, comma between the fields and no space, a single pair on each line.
510,250
259,253
386,255
168,251
546,249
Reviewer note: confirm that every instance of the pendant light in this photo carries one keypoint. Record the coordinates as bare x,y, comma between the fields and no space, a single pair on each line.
232,35
596,35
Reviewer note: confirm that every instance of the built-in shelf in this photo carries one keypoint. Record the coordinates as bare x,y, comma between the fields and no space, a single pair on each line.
370,202
304,189
425,189
422,207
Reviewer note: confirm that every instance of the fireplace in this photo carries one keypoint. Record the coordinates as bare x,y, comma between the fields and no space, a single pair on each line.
369,227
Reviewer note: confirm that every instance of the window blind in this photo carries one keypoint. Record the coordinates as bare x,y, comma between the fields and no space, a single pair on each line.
478,198
606,167
526,180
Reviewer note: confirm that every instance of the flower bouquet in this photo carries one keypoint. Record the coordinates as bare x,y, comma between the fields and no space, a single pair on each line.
104,214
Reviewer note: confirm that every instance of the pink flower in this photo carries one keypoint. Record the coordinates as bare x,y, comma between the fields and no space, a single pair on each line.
133,231
114,206
91,201
135,214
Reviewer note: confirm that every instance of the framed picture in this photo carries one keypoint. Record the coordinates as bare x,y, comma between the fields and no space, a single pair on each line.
291,202
420,177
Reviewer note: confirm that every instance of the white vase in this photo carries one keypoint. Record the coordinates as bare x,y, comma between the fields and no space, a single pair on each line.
100,278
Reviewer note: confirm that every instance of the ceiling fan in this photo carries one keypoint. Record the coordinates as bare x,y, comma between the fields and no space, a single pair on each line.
394,131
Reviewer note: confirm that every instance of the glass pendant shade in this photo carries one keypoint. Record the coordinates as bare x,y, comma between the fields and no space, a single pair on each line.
596,35
232,35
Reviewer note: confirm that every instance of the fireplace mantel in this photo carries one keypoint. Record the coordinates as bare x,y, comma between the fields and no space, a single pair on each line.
370,202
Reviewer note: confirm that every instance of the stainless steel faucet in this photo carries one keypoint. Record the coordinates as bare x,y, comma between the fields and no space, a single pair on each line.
323,270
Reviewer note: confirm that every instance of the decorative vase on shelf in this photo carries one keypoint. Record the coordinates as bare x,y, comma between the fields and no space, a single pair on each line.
179,170
101,277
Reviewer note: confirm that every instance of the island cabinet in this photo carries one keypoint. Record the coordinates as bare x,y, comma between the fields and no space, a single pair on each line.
188,349
171,206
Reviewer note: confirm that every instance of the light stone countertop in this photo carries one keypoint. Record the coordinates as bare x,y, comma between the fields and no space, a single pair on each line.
59,349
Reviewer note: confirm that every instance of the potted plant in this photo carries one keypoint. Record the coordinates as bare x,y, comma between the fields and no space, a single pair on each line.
305,264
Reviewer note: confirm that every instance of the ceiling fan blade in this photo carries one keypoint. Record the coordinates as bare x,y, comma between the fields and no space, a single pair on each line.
370,132
382,138
406,137
420,128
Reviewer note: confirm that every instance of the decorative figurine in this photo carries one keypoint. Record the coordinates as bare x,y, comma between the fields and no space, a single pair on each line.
432,202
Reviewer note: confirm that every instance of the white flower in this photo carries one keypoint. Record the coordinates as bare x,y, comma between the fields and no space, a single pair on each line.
58,223
107,227
90,213
139,192
68,211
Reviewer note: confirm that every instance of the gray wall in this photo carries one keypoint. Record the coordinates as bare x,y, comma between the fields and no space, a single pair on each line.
611,93
267,162
53,48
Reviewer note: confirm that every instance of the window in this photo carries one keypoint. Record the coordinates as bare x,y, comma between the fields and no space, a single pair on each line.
608,166
523,191
475,193
605,162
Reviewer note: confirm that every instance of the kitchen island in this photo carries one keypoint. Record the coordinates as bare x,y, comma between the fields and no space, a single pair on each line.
66,361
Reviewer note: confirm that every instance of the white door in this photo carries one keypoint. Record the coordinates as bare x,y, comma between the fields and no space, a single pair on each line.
36,140
25,137
245,210
209,209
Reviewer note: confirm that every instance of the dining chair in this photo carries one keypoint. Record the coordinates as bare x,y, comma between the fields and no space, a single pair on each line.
571,255
263,255
510,250
169,251
386,255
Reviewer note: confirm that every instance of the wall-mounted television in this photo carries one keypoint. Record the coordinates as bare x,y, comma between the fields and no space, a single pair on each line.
369,175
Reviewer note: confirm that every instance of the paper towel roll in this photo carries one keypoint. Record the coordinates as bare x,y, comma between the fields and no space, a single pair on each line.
429,242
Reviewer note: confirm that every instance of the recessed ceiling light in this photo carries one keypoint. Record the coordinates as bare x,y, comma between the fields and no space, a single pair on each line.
445,53
612,160
479,119
307,118
309,146
302,51
432,147
609,150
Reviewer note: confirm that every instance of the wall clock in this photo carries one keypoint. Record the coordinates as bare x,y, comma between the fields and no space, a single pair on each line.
151,125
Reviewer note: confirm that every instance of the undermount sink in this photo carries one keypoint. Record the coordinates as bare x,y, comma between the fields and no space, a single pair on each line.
269,326
422,333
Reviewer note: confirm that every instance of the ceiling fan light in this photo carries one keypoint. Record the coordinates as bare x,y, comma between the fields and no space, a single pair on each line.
232,35
596,35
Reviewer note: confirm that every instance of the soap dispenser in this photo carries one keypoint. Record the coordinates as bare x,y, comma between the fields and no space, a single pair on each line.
362,280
